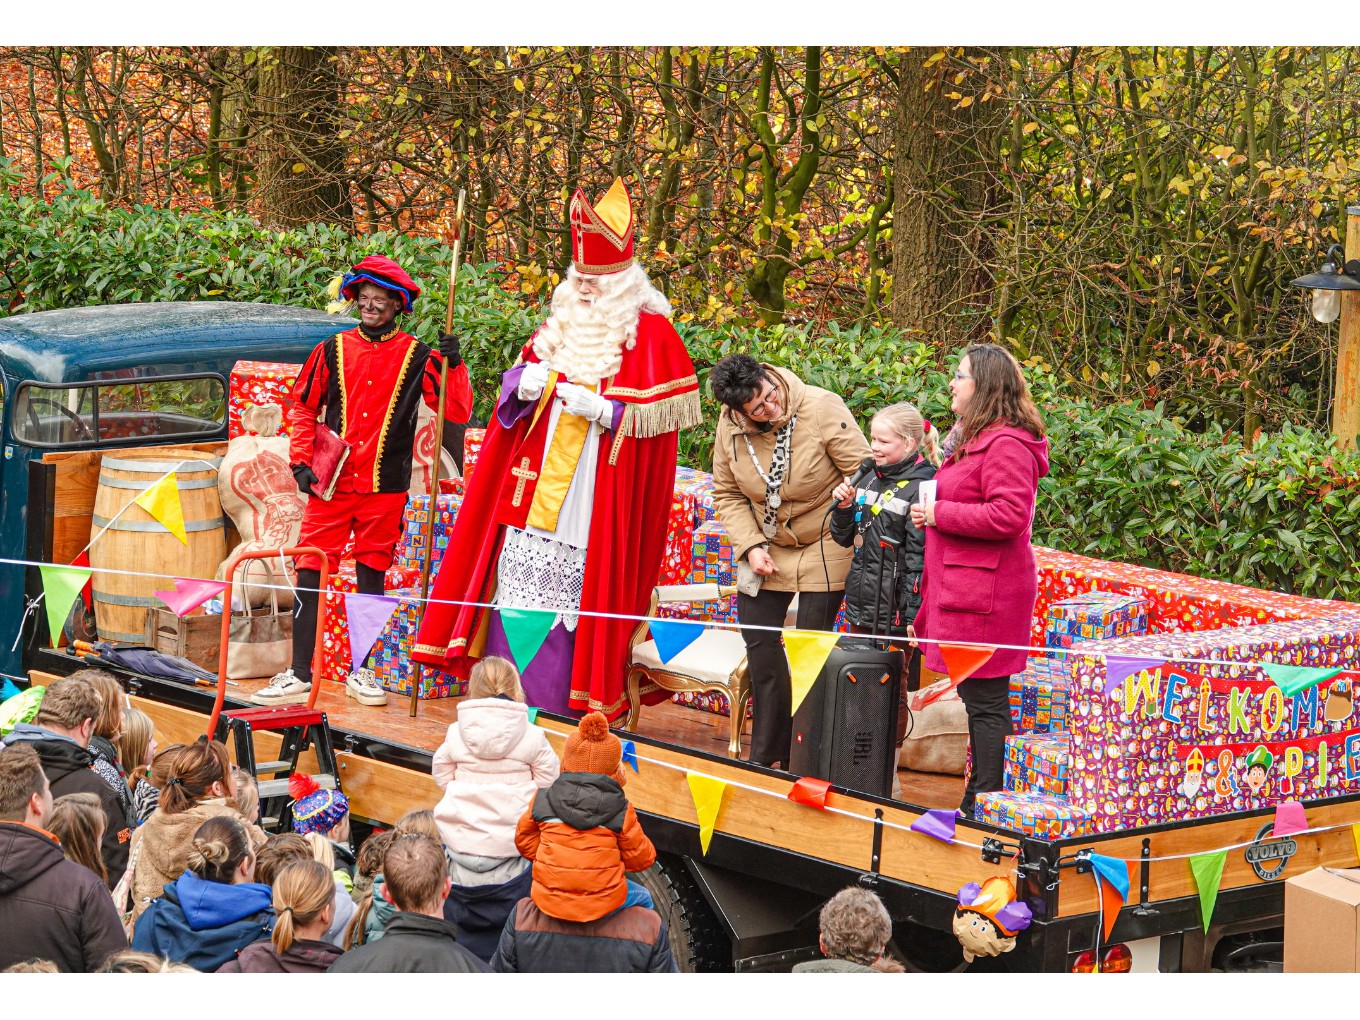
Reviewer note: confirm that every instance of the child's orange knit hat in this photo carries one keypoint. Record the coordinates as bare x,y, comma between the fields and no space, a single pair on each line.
592,748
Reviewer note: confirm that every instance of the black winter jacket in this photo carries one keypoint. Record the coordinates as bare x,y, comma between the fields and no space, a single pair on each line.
884,581
411,944
52,908
304,956
629,941
70,769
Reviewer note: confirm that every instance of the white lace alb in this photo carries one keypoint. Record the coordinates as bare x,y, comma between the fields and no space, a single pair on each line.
540,573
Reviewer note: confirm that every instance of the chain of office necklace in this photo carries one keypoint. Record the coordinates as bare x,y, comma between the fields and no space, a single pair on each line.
774,481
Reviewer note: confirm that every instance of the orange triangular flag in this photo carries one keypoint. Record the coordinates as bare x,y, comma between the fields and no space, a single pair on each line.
1111,902
963,661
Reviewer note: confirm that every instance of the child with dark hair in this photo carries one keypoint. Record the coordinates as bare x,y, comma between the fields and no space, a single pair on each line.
215,908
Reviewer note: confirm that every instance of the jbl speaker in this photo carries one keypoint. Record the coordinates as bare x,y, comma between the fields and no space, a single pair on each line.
843,731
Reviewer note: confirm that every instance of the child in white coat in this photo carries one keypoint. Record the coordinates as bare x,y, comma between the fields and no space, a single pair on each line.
490,765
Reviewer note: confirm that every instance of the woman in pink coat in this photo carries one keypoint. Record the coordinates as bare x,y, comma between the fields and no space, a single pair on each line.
980,580
490,765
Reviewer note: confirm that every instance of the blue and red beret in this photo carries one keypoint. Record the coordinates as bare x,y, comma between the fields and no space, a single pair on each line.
383,272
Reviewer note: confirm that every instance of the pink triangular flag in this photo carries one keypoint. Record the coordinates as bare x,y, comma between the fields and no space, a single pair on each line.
190,593
368,615
1290,818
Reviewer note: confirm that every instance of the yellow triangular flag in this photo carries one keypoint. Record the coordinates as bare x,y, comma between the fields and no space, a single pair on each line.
807,651
1355,835
161,501
708,797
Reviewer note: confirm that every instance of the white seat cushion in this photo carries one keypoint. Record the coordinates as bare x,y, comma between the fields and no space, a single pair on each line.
710,659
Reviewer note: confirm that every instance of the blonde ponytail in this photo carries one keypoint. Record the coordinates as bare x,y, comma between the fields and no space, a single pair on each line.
302,890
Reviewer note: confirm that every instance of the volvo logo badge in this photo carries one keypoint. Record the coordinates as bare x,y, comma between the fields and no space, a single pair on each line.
1269,859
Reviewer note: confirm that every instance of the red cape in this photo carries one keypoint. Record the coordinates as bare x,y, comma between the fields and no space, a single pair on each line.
634,483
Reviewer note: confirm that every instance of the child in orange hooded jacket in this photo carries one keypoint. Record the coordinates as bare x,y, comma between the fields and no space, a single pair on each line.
582,833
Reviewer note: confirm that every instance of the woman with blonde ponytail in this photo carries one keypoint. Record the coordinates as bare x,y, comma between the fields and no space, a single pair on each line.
215,908
304,903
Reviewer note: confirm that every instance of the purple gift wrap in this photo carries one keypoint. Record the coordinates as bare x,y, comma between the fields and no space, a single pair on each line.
1192,739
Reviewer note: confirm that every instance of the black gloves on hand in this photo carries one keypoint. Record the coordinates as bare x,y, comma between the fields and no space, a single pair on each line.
451,349
306,478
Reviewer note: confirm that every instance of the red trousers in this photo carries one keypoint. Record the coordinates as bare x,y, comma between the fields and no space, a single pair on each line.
373,517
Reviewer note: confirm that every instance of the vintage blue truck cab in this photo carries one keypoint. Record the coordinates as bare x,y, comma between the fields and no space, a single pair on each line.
109,377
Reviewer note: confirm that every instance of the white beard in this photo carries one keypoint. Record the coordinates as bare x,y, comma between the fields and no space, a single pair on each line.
585,342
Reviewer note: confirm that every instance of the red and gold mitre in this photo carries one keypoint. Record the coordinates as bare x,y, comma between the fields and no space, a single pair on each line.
602,234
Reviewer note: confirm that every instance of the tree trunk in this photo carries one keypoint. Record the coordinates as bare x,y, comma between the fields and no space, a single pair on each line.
945,188
302,173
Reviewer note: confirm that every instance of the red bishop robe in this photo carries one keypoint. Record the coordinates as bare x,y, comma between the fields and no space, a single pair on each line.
634,482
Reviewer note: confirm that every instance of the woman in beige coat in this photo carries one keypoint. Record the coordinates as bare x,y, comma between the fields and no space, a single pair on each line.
782,446
197,787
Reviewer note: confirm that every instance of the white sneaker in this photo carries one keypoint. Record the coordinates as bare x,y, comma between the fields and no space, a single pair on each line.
284,689
362,686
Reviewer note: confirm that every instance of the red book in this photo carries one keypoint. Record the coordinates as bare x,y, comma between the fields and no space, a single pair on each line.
329,453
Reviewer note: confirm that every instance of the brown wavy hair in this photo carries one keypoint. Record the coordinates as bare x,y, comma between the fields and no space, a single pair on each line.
192,773
78,821
218,848
1000,396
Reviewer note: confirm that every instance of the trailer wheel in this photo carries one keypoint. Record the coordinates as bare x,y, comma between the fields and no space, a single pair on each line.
697,939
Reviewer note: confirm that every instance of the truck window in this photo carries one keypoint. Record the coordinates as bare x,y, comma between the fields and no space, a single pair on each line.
106,413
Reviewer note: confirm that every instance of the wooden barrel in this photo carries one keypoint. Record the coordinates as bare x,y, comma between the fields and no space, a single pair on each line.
136,541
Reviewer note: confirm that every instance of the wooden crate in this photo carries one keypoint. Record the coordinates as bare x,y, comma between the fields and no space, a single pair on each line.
196,638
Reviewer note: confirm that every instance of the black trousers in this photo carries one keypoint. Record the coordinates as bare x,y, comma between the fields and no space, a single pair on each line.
304,624
987,700
771,691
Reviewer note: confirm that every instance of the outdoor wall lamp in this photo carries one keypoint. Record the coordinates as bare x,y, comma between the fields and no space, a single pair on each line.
1328,282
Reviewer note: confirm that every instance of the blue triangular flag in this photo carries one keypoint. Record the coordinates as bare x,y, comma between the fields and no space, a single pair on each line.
1114,871
630,754
673,636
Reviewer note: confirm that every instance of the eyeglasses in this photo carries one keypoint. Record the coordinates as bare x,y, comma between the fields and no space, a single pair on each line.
960,375
767,402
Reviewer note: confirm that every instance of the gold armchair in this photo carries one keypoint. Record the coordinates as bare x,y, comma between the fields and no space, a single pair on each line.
716,661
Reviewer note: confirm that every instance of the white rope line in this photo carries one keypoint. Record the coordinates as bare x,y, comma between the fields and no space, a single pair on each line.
636,618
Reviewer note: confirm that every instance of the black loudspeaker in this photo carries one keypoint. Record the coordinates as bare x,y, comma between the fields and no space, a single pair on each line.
845,728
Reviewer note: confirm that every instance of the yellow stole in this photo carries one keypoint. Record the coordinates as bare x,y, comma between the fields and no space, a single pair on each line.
559,465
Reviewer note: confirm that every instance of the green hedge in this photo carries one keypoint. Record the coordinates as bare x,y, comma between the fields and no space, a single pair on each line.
1127,483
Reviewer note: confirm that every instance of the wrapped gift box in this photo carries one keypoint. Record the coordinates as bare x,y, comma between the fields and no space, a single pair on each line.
696,490
1037,763
677,560
1039,696
391,655
335,662
472,449
711,561
1094,616
259,382
408,553
1037,814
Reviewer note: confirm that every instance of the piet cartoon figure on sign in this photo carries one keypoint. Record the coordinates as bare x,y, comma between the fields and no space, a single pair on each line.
989,917
1259,763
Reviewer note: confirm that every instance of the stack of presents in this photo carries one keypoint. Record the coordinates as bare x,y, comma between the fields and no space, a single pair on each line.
1083,759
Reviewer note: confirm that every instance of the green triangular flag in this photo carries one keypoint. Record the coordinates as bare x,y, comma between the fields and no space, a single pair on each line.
1293,679
61,588
525,632
533,715
1208,872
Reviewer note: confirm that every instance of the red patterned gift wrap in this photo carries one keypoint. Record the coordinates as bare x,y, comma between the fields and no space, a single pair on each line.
259,383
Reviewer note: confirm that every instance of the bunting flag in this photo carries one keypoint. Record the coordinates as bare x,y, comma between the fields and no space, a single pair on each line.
61,588
673,636
810,791
87,593
189,593
963,661
1292,680
629,752
525,632
1355,835
1112,882
368,615
533,715
1207,870
1290,818
708,796
937,822
1119,668
807,651
161,501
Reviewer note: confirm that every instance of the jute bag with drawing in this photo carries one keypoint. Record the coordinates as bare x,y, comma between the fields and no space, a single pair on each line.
260,642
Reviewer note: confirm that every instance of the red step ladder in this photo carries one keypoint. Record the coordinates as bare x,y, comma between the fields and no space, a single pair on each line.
300,727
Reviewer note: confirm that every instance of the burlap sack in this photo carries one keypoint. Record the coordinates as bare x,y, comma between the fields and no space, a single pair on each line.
261,497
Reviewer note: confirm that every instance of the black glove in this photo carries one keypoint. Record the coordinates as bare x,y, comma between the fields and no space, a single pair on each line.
306,478
451,349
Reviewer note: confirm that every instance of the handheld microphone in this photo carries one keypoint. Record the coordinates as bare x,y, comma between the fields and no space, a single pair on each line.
866,468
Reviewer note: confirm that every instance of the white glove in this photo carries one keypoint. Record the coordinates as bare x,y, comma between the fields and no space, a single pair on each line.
583,403
532,380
